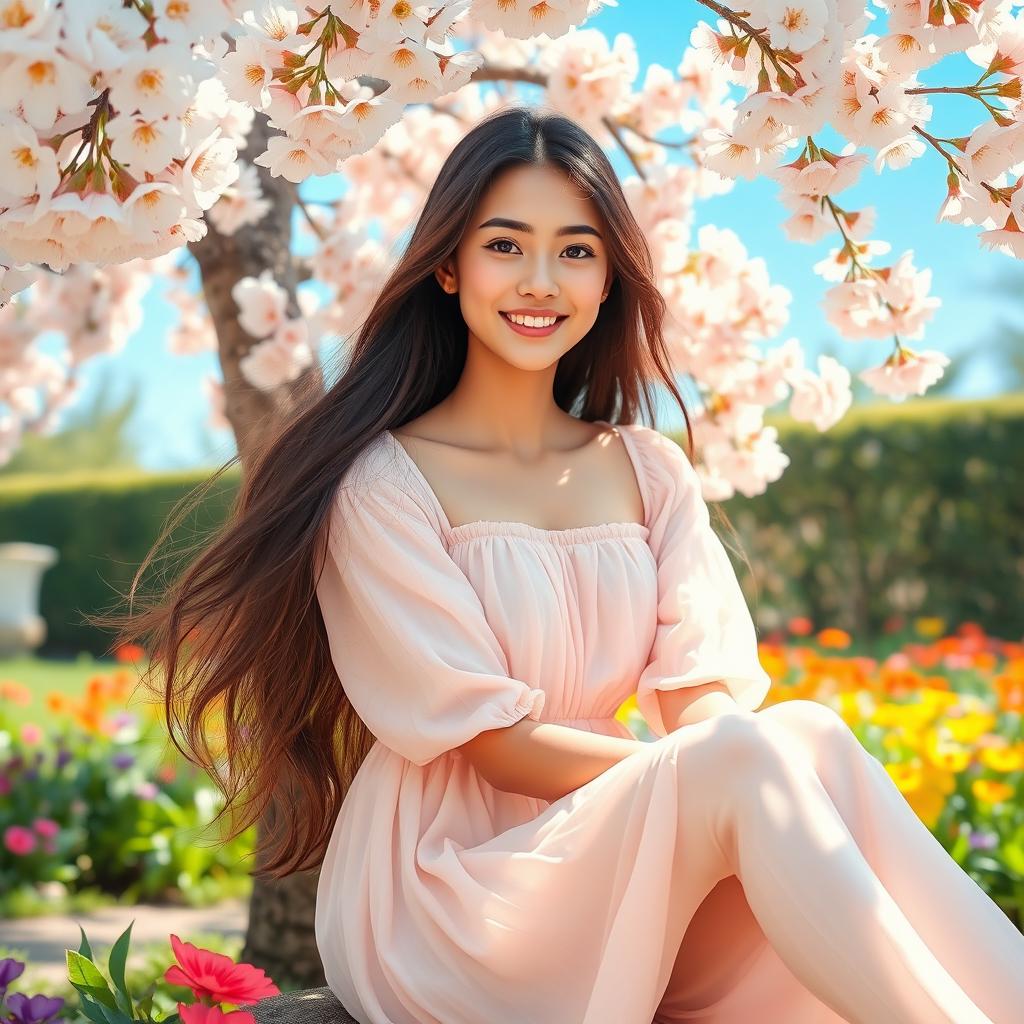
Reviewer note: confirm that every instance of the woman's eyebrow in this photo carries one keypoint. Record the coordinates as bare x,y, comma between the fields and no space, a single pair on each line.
518,225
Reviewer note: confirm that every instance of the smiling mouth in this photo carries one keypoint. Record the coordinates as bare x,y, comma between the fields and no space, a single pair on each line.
558,319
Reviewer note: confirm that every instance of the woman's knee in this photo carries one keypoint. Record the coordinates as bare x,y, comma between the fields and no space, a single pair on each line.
734,743
809,717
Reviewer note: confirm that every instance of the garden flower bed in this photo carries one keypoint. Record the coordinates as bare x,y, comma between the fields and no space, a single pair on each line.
95,802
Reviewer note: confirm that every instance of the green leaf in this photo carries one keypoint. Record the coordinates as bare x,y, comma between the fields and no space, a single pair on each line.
1014,857
84,949
92,1010
85,976
112,1015
960,849
115,964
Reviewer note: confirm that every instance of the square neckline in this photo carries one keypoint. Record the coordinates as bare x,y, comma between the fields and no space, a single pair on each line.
476,528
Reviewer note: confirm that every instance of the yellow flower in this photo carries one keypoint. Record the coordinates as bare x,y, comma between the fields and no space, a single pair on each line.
854,707
907,716
991,791
938,700
908,776
1003,758
927,803
933,626
945,754
626,708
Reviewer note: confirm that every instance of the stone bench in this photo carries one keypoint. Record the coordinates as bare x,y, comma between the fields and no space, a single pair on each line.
312,1006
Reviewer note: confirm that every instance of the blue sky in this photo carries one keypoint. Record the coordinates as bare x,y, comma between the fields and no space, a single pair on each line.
169,422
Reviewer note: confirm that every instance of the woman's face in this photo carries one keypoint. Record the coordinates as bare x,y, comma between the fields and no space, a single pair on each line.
531,266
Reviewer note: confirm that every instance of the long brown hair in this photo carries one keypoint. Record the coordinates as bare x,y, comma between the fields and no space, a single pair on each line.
238,634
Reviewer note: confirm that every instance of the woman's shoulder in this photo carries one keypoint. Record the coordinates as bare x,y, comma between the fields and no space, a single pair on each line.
661,457
379,480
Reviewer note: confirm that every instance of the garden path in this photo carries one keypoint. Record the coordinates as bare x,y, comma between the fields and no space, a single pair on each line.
44,939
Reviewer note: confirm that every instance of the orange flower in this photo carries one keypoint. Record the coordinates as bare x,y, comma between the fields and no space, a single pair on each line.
970,629
832,636
129,652
58,703
15,692
96,688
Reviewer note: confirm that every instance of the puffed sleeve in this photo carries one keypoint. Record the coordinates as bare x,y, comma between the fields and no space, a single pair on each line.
704,630
407,632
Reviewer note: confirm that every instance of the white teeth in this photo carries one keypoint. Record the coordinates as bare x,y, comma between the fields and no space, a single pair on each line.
532,321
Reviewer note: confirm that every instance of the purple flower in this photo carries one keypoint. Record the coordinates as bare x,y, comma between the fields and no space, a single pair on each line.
9,970
123,760
63,757
36,1010
982,840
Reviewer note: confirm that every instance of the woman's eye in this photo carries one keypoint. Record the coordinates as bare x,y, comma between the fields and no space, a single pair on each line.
506,241
582,248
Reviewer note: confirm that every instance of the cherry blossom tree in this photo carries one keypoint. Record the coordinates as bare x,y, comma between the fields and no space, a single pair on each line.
141,134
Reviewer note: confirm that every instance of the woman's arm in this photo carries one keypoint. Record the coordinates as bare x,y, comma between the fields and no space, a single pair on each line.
695,703
545,760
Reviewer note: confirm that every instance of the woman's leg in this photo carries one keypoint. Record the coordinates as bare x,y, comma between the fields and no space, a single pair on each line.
747,789
975,941
727,972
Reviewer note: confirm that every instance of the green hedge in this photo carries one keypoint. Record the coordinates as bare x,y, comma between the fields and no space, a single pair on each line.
102,526
915,508
908,509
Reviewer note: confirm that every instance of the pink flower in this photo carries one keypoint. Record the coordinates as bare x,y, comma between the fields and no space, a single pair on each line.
19,840
46,826
200,1014
217,977
31,733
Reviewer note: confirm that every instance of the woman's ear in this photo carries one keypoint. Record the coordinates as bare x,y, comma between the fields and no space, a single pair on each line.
446,279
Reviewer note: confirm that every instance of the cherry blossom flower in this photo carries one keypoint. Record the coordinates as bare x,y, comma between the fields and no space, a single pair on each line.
261,302
905,373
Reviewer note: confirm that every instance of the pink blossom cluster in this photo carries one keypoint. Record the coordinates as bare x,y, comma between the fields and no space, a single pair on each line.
284,351
95,311
118,134
124,122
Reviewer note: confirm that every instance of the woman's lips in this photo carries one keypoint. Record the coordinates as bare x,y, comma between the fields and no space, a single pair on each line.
532,332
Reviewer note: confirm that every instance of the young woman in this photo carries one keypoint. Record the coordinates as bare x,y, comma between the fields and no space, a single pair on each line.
501,554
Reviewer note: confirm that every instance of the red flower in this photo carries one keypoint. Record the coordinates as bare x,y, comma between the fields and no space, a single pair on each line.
129,653
217,977
199,1014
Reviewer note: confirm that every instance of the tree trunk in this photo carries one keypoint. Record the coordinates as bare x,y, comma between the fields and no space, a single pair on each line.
280,937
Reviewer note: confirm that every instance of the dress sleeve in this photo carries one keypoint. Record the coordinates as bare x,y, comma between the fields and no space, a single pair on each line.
704,630
407,632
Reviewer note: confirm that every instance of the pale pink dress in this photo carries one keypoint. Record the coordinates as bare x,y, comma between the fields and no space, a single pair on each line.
443,900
